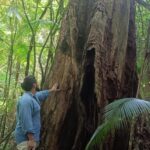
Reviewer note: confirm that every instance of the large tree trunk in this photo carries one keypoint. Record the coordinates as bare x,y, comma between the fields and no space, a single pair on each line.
94,65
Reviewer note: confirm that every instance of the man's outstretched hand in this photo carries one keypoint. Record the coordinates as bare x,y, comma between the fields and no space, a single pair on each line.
55,88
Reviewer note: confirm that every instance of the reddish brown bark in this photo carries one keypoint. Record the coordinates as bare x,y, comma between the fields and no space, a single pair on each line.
94,65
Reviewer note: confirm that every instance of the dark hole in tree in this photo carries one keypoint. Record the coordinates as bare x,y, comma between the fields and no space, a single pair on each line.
88,96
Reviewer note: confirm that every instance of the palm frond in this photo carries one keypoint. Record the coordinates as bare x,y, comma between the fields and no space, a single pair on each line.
118,114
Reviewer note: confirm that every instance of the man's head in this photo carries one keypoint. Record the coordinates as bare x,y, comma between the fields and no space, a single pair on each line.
29,83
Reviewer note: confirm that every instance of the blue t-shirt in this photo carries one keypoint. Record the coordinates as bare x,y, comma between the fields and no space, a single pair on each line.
28,115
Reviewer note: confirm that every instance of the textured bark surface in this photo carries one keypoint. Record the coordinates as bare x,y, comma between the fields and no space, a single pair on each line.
94,65
140,140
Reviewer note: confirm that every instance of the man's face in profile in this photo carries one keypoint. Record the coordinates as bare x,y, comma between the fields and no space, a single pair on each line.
37,88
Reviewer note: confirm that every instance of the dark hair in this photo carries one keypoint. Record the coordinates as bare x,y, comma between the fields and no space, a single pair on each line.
28,82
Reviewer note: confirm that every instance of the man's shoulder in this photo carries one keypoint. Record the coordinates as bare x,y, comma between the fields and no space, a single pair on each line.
25,99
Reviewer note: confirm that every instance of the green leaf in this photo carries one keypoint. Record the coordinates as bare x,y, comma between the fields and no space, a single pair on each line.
118,114
21,51
13,12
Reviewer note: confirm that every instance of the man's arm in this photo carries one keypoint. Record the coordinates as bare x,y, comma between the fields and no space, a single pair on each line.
30,136
25,116
43,95
31,141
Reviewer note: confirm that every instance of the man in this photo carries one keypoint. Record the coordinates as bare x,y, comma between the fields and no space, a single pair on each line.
27,132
